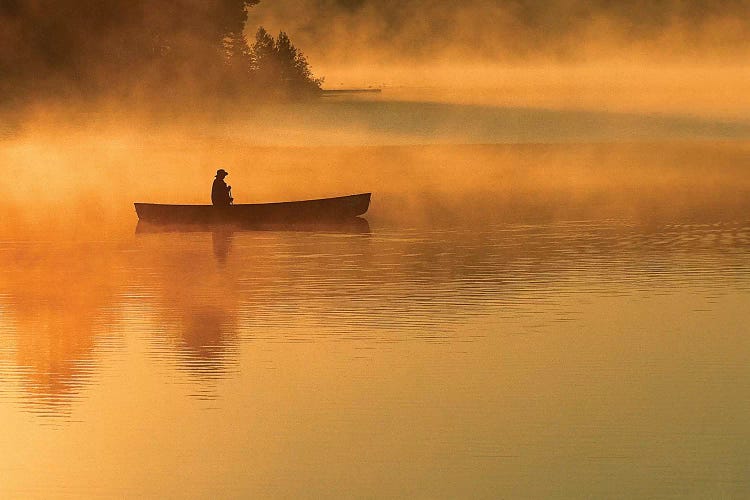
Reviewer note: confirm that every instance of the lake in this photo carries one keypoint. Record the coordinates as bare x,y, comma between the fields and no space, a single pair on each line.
540,319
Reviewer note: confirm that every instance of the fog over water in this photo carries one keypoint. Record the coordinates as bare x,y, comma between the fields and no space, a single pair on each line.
547,298
512,31
507,309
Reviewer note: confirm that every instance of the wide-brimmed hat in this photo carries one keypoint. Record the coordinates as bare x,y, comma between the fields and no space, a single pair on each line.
221,172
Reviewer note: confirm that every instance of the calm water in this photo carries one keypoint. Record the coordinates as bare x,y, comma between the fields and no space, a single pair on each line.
518,321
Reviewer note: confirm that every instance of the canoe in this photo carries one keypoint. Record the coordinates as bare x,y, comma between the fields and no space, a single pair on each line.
326,209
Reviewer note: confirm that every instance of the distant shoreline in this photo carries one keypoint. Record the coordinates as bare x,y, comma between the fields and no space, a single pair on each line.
351,91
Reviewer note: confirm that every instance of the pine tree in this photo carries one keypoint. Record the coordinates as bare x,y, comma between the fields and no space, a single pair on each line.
237,53
264,62
296,74
279,67
237,62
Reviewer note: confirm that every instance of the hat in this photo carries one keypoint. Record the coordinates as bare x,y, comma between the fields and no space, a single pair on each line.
221,172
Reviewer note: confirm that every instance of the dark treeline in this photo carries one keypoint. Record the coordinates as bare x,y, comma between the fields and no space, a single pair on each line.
167,48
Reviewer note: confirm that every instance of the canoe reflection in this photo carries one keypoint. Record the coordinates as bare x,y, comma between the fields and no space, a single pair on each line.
355,225
222,234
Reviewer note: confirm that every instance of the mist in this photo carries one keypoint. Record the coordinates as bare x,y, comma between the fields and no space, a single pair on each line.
111,129
147,54
353,32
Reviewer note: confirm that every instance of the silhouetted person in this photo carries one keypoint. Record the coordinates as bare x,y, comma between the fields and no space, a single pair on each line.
221,194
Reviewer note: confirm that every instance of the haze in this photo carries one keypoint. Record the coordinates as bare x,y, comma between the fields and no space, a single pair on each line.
547,297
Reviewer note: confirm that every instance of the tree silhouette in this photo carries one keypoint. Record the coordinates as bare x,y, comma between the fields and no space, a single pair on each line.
237,62
295,70
191,47
281,68
265,66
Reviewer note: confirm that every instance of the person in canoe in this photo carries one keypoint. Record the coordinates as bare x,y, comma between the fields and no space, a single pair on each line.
221,194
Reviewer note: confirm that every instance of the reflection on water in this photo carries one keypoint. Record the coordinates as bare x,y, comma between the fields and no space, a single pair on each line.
222,242
56,301
500,351
210,289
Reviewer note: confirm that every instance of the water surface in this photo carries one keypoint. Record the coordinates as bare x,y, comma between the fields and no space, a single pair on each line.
521,321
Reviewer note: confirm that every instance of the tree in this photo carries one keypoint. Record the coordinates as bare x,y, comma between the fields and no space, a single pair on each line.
279,67
264,62
237,53
191,47
237,62
295,70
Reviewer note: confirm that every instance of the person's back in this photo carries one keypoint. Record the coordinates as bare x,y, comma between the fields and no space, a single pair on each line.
220,192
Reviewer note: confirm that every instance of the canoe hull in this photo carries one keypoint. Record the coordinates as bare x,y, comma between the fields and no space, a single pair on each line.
326,209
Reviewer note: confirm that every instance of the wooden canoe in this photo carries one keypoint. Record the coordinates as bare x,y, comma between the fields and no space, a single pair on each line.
343,207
